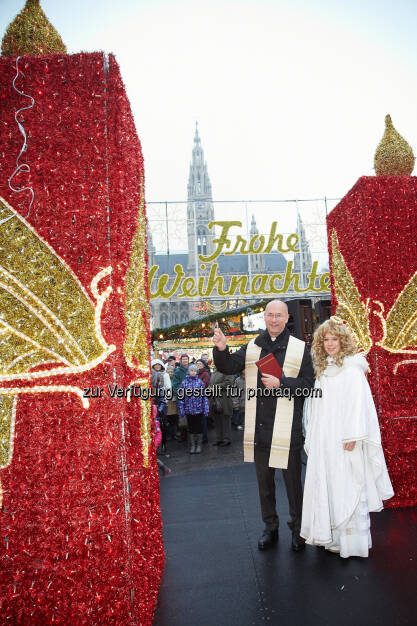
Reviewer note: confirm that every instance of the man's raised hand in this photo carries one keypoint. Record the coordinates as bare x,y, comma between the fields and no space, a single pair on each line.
219,339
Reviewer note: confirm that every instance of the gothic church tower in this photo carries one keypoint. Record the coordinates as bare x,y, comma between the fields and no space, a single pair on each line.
200,209
256,260
302,259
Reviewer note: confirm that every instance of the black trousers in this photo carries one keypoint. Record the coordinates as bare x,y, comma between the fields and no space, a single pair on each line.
172,425
195,423
266,486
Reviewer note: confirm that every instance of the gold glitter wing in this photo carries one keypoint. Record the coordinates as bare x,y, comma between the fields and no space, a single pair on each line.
45,313
349,304
400,325
46,316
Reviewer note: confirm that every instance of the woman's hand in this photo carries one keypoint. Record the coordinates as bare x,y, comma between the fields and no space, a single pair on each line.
349,446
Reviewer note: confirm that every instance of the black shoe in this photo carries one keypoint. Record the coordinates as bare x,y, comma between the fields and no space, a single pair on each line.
268,539
298,543
216,443
224,443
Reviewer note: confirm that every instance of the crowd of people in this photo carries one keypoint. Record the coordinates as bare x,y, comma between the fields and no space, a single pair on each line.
185,411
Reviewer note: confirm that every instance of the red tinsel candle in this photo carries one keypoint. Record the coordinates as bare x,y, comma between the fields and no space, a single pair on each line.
374,230
80,523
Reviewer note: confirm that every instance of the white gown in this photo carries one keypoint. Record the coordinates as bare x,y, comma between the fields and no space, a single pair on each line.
342,487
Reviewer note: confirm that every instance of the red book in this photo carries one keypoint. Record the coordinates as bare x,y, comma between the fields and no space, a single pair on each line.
269,365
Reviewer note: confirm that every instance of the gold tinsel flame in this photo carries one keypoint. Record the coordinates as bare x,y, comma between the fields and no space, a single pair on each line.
393,156
31,33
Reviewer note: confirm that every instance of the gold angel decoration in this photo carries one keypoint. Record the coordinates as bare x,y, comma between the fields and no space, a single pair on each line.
49,325
399,325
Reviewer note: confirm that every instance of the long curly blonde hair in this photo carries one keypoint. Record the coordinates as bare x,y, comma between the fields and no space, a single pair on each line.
348,344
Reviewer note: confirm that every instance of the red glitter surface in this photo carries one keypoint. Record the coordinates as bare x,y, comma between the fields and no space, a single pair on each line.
80,526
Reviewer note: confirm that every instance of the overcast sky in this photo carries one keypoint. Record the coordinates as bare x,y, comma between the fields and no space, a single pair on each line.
290,96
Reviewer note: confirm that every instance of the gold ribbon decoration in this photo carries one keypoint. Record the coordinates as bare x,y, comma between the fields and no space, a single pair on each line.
46,317
399,325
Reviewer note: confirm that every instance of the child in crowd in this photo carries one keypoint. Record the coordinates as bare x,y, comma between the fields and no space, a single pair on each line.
193,407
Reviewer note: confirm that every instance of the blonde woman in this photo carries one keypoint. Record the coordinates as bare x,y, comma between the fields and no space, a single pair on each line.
346,475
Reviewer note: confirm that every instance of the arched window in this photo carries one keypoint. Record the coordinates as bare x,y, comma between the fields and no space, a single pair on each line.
184,316
164,320
201,241
174,318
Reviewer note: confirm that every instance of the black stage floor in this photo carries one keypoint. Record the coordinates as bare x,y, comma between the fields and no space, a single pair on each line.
215,575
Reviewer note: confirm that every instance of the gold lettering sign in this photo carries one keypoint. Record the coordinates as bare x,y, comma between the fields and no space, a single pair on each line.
182,286
256,243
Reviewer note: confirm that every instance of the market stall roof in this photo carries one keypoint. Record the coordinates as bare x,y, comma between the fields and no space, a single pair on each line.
203,327
199,342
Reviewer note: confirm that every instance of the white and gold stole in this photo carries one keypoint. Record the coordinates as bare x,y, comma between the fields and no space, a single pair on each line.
284,412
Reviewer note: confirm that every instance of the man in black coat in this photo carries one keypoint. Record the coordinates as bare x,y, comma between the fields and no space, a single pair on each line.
273,340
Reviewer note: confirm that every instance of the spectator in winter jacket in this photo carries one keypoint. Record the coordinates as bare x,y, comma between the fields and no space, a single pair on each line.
204,375
203,371
193,407
238,401
157,389
160,403
158,366
180,373
222,407
172,411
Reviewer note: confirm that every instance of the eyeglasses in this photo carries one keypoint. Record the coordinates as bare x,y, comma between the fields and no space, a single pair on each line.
275,316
